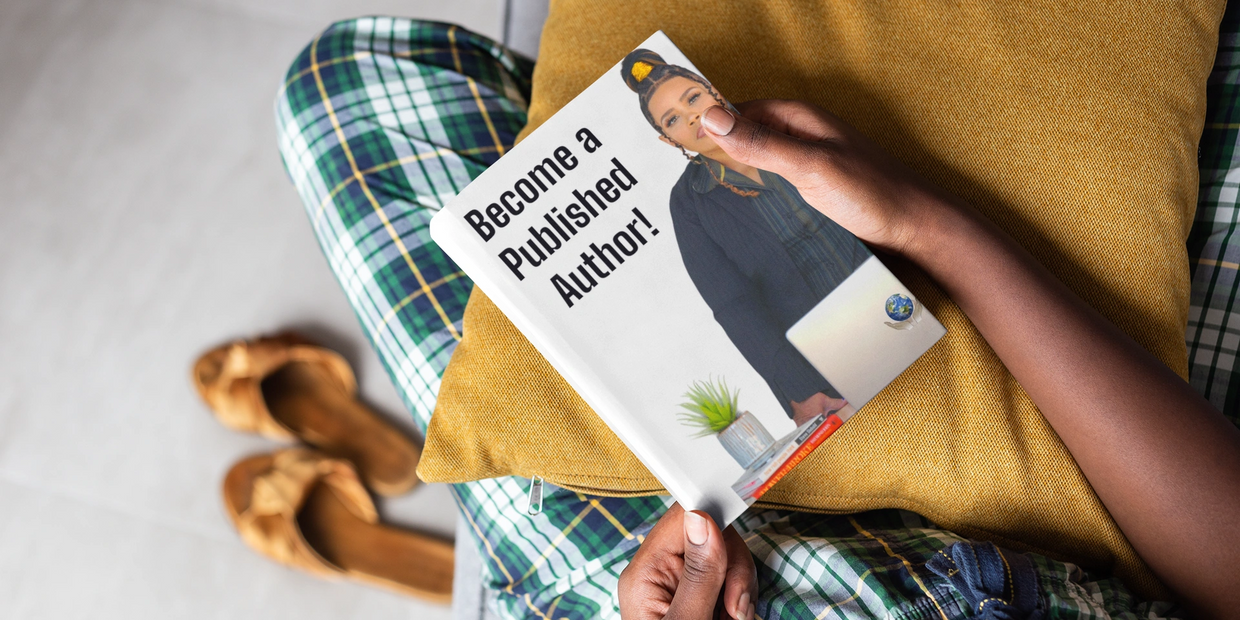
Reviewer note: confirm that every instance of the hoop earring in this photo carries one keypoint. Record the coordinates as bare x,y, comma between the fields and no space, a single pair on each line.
683,150
747,193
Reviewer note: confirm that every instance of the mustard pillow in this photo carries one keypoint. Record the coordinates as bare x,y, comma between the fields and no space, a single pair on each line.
1075,128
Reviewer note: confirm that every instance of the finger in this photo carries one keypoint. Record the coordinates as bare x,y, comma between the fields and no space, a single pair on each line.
796,118
761,146
665,538
668,535
740,584
705,566
647,584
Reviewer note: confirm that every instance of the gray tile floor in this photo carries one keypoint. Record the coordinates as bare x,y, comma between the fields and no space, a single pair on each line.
144,216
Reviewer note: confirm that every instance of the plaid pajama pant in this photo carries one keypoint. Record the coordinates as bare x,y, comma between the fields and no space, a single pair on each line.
383,120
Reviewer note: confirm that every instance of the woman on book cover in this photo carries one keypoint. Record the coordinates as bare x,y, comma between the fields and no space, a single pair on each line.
759,255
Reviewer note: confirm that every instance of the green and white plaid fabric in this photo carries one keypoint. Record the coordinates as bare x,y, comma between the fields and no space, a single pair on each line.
381,121
1213,247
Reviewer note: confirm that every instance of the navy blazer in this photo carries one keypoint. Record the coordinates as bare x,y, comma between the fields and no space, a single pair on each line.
749,281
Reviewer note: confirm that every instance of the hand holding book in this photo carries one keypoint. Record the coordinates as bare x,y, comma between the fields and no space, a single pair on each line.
757,275
642,260
1154,478
670,577
837,169
685,568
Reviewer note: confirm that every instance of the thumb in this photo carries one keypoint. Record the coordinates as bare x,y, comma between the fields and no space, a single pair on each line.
757,145
706,562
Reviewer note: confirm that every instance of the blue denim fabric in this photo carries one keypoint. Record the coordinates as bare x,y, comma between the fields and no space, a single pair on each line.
998,585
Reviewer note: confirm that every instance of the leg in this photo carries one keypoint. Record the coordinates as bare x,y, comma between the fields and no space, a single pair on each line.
382,121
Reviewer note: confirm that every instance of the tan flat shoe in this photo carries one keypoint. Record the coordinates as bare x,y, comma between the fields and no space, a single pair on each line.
304,509
283,387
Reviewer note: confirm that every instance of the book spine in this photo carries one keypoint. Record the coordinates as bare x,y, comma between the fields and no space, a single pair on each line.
830,426
456,239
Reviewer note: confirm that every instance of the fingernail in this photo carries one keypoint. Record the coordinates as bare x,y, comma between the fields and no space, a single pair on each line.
719,121
750,613
695,528
742,607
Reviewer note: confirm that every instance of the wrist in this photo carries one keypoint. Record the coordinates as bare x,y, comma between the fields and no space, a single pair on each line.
932,221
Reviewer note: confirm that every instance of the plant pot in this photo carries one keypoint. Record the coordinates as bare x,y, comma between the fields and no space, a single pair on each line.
745,439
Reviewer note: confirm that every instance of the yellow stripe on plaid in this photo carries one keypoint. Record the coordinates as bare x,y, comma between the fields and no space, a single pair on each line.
610,518
856,595
408,159
391,313
473,87
487,545
908,565
361,55
1216,263
344,145
530,603
555,543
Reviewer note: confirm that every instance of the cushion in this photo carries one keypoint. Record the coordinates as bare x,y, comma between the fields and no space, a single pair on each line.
1073,128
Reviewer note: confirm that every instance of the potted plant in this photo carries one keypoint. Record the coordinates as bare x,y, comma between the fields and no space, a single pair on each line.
712,409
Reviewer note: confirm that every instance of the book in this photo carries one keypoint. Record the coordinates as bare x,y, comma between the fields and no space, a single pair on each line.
783,455
701,307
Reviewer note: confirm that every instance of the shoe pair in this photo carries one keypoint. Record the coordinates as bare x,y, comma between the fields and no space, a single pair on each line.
307,507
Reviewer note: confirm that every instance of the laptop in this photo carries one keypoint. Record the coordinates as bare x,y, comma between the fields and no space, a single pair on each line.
865,333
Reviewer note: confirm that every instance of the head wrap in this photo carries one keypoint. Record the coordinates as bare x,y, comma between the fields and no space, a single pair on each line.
642,69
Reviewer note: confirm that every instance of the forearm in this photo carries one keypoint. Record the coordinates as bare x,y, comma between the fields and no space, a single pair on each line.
1164,462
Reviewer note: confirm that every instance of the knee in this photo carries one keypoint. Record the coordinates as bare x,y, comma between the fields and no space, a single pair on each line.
303,78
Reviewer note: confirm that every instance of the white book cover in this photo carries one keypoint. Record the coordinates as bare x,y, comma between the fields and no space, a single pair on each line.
699,310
